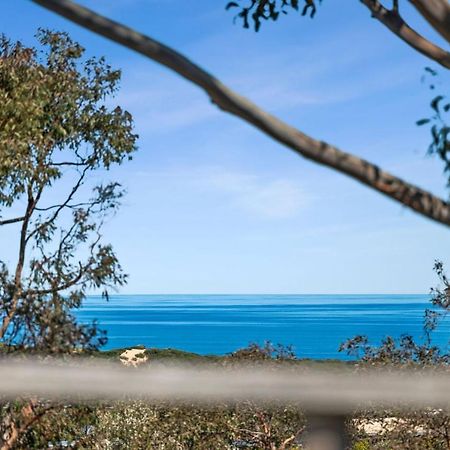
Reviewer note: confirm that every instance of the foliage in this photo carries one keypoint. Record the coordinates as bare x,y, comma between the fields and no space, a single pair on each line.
406,350
59,425
439,123
416,430
428,429
361,445
137,425
259,10
56,129
268,351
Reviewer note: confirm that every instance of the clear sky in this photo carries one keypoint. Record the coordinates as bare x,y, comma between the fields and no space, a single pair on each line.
213,205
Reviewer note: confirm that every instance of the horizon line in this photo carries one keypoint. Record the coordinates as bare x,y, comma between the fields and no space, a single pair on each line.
257,293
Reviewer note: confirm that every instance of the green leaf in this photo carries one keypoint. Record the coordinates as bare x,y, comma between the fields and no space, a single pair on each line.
231,5
435,102
431,71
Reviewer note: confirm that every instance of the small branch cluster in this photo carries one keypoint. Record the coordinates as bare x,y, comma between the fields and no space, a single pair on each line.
258,10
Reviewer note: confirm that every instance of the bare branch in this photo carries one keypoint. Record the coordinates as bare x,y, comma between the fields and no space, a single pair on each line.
437,13
15,220
392,20
61,206
31,204
68,163
367,173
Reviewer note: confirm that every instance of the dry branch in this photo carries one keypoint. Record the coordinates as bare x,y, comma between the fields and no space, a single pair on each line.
9,221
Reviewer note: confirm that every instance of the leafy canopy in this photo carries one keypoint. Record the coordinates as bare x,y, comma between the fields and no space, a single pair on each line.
56,129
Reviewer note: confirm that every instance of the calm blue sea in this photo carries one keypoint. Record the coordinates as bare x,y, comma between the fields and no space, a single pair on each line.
217,324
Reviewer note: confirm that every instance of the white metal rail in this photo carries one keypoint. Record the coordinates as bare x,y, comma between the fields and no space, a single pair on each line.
317,391
326,397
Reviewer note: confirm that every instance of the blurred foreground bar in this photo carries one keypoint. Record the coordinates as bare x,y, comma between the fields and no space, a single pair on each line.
327,397
316,392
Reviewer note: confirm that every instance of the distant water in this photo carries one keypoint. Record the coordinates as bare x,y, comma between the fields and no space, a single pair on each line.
217,324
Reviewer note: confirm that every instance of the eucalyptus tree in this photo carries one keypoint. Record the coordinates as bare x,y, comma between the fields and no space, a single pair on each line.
56,132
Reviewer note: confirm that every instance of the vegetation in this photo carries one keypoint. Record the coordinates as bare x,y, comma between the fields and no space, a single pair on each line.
429,429
55,131
139,425
407,351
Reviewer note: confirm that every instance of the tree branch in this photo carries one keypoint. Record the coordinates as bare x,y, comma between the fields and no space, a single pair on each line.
437,13
16,432
392,20
369,174
15,220
61,287
72,206
68,163
61,206
31,203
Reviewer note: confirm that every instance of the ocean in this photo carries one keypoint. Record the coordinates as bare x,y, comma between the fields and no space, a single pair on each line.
315,325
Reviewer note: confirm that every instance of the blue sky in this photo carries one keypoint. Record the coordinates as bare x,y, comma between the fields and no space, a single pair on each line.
213,205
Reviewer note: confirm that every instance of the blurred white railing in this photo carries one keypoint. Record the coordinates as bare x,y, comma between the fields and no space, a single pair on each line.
326,397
